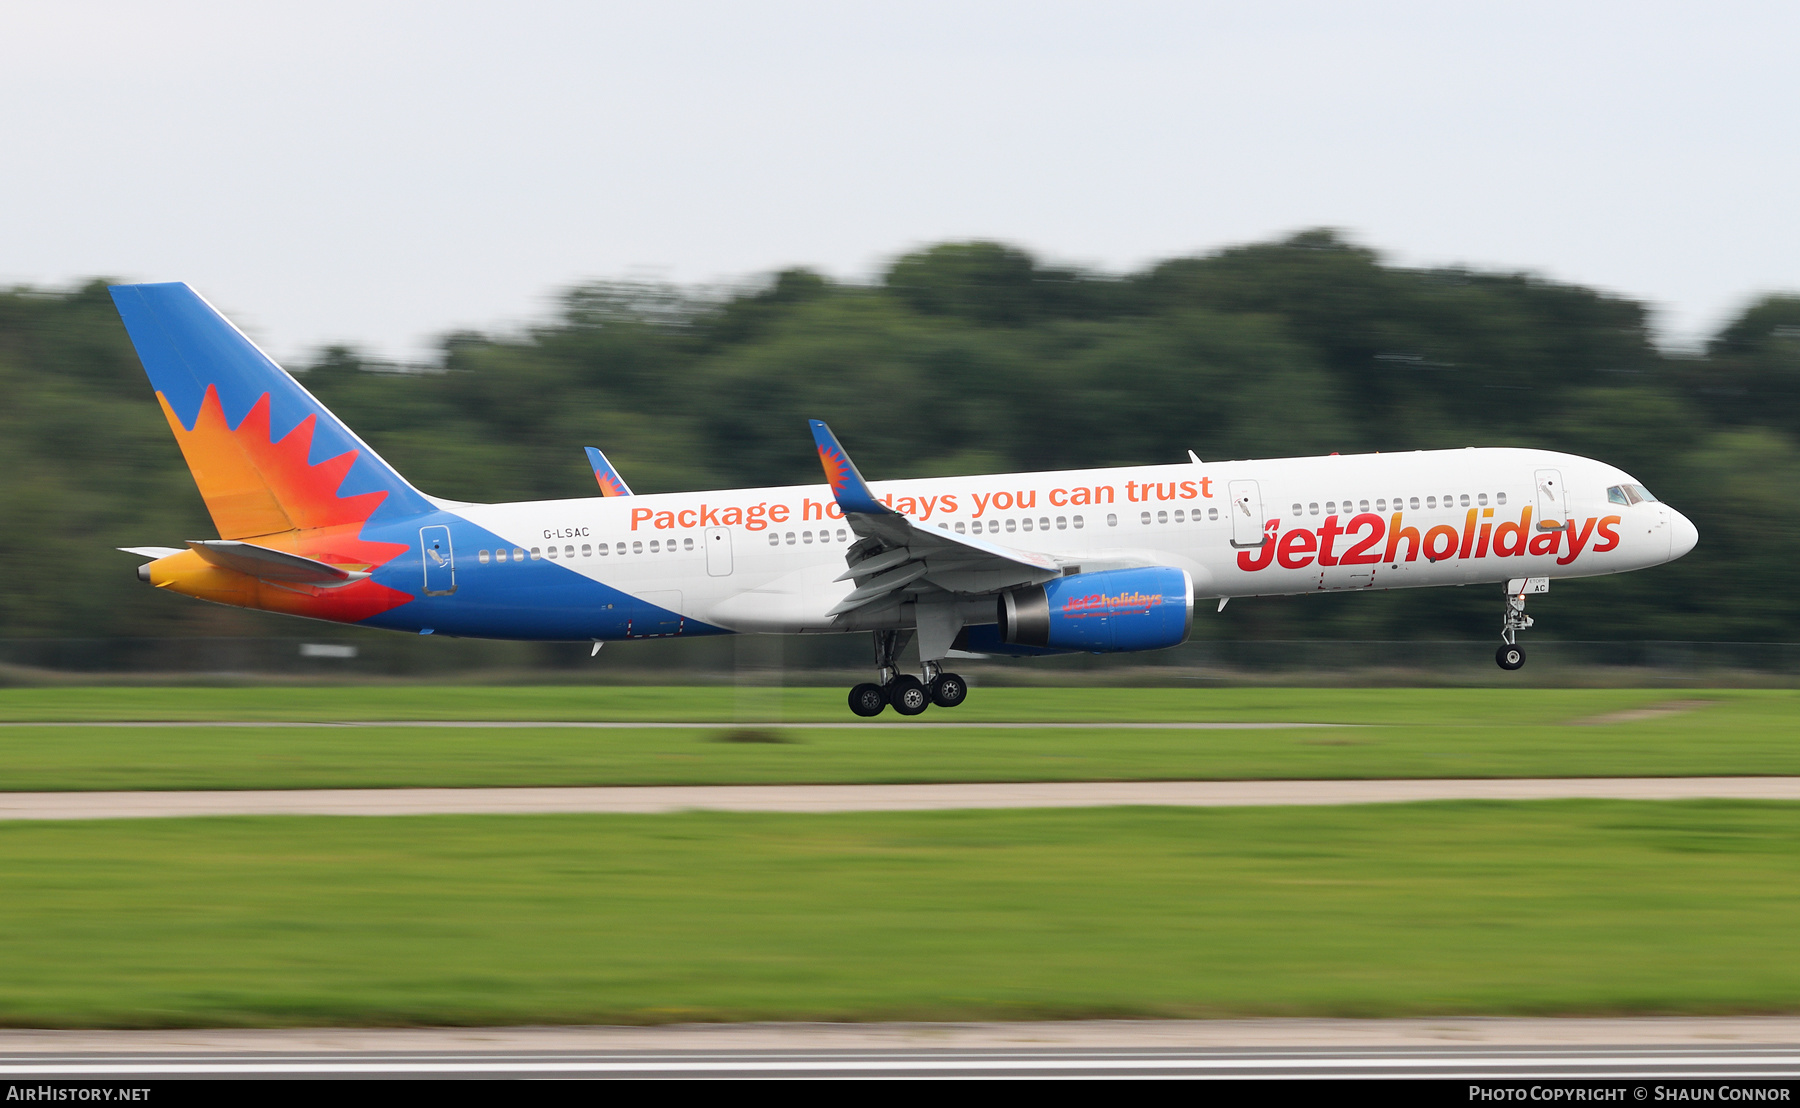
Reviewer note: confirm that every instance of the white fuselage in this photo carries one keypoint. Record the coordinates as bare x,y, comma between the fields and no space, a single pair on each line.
767,560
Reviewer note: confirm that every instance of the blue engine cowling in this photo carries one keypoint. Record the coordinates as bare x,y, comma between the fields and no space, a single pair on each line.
1106,612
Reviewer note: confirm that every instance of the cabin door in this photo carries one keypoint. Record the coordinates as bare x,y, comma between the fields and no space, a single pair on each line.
1246,514
718,551
440,561
1552,500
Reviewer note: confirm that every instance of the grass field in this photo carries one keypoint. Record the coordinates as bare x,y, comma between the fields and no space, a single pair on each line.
1397,733
1561,907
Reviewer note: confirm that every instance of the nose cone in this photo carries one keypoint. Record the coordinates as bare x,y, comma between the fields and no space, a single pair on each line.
1682,534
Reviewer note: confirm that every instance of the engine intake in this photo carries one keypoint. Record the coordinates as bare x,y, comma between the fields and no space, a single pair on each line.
1106,612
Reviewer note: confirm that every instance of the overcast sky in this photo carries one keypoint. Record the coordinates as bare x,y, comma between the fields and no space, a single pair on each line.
379,173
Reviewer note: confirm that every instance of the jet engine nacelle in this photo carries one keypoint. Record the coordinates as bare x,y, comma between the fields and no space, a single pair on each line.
1105,612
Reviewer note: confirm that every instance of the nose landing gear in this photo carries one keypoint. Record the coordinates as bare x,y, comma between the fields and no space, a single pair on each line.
908,694
1511,655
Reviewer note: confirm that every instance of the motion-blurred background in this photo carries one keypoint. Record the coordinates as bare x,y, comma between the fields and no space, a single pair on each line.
1298,231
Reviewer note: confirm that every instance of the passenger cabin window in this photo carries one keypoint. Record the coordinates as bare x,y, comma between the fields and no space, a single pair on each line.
1465,500
1381,505
1112,519
959,527
1482,500
1362,505
482,557
686,544
1430,502
1500,498
1062,523
1313,508
1077,521
536,554
1413,503
1212,513
654,549
1145,520
587,550
1025,523
1331,507
637,547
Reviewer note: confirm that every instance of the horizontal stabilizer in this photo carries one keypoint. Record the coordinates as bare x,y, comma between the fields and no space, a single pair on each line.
151,551
272,565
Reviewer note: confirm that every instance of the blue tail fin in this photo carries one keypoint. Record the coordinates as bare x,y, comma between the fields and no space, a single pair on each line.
267,456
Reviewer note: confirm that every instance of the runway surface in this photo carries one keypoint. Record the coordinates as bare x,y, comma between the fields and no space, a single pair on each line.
871,798
1746,1049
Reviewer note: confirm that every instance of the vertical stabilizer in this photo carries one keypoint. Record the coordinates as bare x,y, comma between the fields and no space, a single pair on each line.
266,455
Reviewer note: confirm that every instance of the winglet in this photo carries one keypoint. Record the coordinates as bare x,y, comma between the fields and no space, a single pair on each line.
611,484
847,485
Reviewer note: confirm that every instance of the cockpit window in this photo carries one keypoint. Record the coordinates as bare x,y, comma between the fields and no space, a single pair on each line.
1629,494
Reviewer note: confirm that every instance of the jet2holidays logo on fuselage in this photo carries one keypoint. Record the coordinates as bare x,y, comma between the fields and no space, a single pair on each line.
1362,541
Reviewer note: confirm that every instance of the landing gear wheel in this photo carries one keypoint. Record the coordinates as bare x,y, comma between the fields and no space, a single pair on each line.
868,699
908,696
948,690
1510,657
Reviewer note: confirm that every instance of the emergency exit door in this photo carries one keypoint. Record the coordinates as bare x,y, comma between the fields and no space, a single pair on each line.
1552,500
1246,514
440,561
718,551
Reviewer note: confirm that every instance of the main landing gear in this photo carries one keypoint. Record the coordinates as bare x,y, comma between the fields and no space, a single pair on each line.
906,693
1511,655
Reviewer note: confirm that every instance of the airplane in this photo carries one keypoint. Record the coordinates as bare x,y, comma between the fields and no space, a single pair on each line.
313,523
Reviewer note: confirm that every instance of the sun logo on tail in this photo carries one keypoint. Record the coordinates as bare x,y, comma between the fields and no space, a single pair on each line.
267,490
837,469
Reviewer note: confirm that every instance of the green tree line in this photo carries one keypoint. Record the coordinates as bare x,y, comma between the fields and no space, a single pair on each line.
965,358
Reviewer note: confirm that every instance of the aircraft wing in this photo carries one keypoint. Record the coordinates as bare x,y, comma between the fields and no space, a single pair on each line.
611,484
895,553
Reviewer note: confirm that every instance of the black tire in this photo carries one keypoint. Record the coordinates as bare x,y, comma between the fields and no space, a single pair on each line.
908,696
868,699
1510,657
948,690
